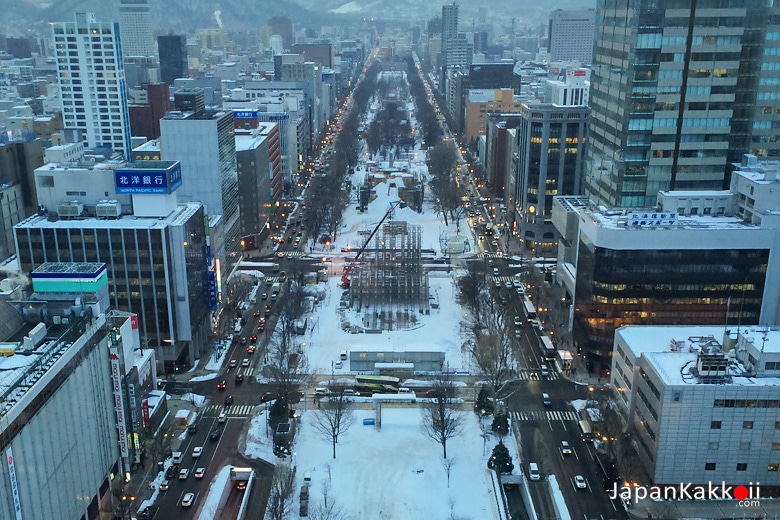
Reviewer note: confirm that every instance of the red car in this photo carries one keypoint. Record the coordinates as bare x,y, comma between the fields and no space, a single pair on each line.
222,385
250,349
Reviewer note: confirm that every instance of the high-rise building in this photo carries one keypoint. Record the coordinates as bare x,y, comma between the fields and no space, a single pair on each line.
173,57
570,35
204,144
449,33
145,117
677,94
282,26
92,85
135,21
550,153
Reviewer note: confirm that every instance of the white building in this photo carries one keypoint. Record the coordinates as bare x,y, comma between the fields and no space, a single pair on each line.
570,35
575,91
92,85
704,405
135,21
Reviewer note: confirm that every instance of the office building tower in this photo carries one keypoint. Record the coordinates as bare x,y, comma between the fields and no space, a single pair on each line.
173,57
282,26
678,91
205,145
92,85
135,22
570,35
260,179
145,117
189,100
550,155
82,370
701,405
641,267
449,33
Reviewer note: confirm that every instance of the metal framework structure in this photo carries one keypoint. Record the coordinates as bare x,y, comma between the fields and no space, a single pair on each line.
391,286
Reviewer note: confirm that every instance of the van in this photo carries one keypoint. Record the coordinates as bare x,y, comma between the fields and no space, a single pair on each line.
343,355
546,399
404,390
543,370
307,476
533,471
177,457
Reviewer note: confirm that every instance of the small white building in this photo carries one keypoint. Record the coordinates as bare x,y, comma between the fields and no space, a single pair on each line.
703,402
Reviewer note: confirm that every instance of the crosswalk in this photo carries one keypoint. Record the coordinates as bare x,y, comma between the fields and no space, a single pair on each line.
246,371
504,278
237,410
534,375
491,255
544,415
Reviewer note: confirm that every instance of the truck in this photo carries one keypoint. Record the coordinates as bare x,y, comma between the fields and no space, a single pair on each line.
276,288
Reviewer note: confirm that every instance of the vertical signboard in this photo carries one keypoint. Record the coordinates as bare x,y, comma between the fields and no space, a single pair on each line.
213,290
9,456
145,410
119,402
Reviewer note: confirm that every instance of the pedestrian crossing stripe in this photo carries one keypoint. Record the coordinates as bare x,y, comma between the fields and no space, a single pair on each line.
535,376
231,411
547,415
505,278
491,255
247,371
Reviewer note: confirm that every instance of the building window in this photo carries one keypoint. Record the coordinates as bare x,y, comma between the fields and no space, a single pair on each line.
742,466
677,397
777,425
747,425
775,446
715,425
713,445
709,466
772,466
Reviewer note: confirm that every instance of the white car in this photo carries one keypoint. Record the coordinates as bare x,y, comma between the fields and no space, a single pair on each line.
520,291
518,321
579,482
197,451
517,283
245,362
508,285
187,499
199,473
184,473
565,448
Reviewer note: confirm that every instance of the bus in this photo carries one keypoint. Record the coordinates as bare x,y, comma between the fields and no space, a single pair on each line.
586,432
547,348
528,309
380,383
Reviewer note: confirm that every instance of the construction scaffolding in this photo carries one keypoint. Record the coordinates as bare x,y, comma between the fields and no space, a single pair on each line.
391,286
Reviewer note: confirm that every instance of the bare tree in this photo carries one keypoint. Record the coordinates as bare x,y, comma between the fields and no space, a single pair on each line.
334,418
287,363
441,421
328,509
447,464
493,355
280,501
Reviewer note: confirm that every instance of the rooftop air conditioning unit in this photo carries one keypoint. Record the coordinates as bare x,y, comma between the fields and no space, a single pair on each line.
108,209
70,209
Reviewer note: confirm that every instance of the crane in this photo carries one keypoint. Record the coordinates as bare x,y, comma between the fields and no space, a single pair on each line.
345,277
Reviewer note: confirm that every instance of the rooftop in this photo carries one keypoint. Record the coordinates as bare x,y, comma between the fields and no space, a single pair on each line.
183,213
672,350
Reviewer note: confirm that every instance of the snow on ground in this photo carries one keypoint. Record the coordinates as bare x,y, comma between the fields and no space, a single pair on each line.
395,472
208,510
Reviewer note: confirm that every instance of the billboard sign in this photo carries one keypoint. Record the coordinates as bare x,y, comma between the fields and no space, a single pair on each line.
245,114
148,181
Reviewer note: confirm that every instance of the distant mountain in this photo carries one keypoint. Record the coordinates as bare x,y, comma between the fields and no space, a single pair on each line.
20,16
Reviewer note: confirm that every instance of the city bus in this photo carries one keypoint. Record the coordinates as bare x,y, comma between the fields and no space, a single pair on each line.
380,383
528,309
547,348
586,432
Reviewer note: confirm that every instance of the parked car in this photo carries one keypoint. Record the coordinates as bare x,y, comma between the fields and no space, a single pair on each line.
172,471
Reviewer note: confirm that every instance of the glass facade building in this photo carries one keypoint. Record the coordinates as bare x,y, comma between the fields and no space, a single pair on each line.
156,269
678,93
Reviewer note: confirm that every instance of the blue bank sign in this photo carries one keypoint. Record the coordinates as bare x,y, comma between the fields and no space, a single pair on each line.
245,114
146,181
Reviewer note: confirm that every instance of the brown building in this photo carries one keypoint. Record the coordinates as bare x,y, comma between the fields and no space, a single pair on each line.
317,52
480,103
145,119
